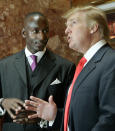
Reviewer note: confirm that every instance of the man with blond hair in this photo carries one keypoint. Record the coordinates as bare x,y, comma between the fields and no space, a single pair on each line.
90,102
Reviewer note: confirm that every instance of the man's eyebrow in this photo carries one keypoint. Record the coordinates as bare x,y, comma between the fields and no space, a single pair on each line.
69,21
76,18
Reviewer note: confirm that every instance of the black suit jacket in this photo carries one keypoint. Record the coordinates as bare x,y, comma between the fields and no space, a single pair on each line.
13,81
92,106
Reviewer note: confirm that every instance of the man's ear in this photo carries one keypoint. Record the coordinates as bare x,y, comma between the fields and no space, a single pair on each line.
23,33
94,28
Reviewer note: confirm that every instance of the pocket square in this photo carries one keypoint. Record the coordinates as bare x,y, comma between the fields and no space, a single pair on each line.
56,81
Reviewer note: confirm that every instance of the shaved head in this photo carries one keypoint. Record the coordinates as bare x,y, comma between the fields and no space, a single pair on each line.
34,17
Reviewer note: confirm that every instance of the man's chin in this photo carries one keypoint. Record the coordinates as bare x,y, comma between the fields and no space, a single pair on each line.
39,48
71,46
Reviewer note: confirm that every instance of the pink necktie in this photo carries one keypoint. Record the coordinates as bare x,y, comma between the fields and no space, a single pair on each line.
34,63
78,70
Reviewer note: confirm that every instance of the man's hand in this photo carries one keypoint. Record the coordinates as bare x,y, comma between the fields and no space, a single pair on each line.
22,117
12,105
44,110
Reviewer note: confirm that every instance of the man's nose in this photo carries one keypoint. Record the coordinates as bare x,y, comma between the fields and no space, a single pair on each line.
67,30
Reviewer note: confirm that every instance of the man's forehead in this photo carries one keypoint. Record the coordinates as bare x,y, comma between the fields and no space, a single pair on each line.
32,25
76,16
34,18
73,17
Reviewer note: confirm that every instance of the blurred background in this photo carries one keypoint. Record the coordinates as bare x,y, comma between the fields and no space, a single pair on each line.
12,13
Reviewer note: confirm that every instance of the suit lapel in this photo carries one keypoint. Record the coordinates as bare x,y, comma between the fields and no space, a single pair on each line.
91,65
20,65
84,73
44,67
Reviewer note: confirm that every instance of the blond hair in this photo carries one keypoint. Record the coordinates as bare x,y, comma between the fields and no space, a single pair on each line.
93,15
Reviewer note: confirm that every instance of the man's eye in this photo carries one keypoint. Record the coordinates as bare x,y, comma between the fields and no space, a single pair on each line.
34,32
45,30
74,22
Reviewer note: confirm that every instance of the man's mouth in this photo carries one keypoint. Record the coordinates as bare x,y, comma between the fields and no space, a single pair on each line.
68,39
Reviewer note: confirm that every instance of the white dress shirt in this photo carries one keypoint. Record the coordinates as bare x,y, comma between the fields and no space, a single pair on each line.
39,55
92,50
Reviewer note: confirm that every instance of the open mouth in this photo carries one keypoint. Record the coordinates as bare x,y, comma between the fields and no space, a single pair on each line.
68,38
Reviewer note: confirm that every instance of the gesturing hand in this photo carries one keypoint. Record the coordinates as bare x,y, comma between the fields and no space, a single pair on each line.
44,110
12,105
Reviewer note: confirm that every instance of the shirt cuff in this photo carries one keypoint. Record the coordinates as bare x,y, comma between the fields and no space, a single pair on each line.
51,123
45,123
2,111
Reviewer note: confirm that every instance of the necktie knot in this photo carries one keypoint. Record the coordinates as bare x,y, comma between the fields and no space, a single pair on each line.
79,67
34,63
82,61
33,57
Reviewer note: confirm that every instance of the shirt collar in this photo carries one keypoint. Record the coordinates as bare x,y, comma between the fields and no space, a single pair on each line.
39,54
28,53
92,50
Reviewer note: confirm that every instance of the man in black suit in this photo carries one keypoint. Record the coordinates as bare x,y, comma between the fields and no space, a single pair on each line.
41,75
92,101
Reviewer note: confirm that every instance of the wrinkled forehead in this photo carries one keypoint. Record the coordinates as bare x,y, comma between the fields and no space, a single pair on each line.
36,21
78,16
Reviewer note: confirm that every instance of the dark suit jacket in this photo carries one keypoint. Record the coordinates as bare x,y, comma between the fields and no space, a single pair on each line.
92,106
13,81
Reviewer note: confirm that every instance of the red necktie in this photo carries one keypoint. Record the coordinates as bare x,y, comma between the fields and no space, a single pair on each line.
78,70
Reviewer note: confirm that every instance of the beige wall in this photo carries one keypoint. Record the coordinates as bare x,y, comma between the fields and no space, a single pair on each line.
12,13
